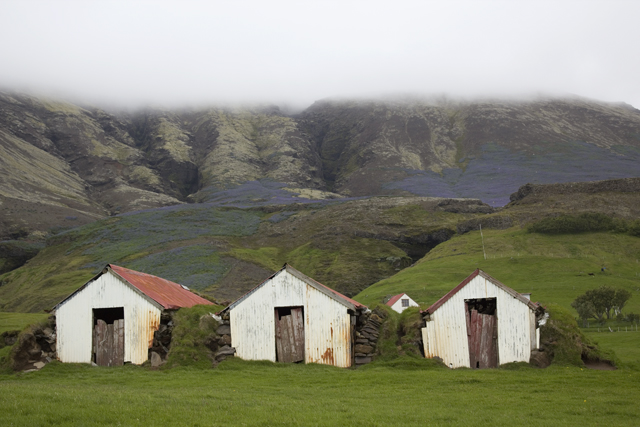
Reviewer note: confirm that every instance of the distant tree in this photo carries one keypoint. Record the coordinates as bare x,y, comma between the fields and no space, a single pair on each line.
585,308
600,302
620,299
602,299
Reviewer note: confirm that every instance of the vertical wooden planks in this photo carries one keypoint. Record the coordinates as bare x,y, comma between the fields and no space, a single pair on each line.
486,342
297,327
290,335
102,349
109,343
118,342
279,349
473,351
481,331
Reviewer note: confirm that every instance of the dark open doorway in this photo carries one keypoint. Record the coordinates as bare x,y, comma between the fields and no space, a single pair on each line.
482,331
108,336
289,334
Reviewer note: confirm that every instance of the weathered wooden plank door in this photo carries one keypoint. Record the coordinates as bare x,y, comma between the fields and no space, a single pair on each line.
109,343
481,331
289,334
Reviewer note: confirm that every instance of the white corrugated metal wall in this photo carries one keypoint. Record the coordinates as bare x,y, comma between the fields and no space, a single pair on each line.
74,320
327,322
445,335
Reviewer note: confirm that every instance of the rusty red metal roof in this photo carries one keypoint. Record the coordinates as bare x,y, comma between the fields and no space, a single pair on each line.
466,281
168,294
394,299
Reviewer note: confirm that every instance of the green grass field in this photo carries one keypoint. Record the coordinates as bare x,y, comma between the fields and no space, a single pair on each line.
626,345
260,393
19,321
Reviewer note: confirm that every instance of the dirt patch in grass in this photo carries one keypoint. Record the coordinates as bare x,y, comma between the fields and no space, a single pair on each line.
600,365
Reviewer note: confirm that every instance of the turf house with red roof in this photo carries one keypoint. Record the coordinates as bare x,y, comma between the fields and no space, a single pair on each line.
112,318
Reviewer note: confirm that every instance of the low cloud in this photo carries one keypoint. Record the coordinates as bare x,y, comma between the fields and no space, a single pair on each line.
191,53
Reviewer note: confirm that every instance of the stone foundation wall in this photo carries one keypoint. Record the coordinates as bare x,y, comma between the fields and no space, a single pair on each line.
34,347
367,334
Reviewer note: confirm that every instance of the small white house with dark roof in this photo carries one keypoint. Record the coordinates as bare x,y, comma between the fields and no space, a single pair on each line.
481,323
292,318
401,302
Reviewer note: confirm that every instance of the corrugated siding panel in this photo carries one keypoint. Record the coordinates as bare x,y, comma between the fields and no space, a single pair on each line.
327,322
445,335
74,320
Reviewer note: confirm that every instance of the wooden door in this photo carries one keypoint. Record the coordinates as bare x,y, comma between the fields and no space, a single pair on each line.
289,334
482,334
109,343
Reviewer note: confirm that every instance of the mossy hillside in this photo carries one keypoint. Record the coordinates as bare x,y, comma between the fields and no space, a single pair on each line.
196,245
34,167
44,281
19,321
251,145
182,233
174,140
15,253
346,245
131,234
196,266
366,259
553,268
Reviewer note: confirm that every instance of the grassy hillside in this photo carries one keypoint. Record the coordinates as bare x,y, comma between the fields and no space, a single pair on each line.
224,251
19,321
554,268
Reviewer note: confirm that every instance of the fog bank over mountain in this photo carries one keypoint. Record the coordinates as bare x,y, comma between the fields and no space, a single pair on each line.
282,52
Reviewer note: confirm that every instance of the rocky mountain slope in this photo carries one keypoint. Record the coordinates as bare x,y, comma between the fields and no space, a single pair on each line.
64,165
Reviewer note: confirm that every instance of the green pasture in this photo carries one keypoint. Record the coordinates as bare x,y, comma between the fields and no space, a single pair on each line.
19,321
260,393
625,345
554,268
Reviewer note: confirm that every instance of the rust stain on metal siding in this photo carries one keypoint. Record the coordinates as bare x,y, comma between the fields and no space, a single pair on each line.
327,357
154,324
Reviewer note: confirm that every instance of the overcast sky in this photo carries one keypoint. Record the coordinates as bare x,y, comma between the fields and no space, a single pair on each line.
192,52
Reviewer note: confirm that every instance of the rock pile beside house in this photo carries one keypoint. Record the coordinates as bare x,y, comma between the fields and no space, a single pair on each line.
367,334
34,347
162,339
224,348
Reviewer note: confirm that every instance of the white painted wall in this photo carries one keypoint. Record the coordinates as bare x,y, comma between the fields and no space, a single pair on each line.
327,324
397,306
445,335
74,320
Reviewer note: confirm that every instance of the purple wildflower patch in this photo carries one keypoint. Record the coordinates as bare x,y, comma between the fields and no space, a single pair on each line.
498,172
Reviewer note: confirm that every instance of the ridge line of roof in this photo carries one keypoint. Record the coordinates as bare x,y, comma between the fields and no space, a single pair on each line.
395,299
466,281
319,286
